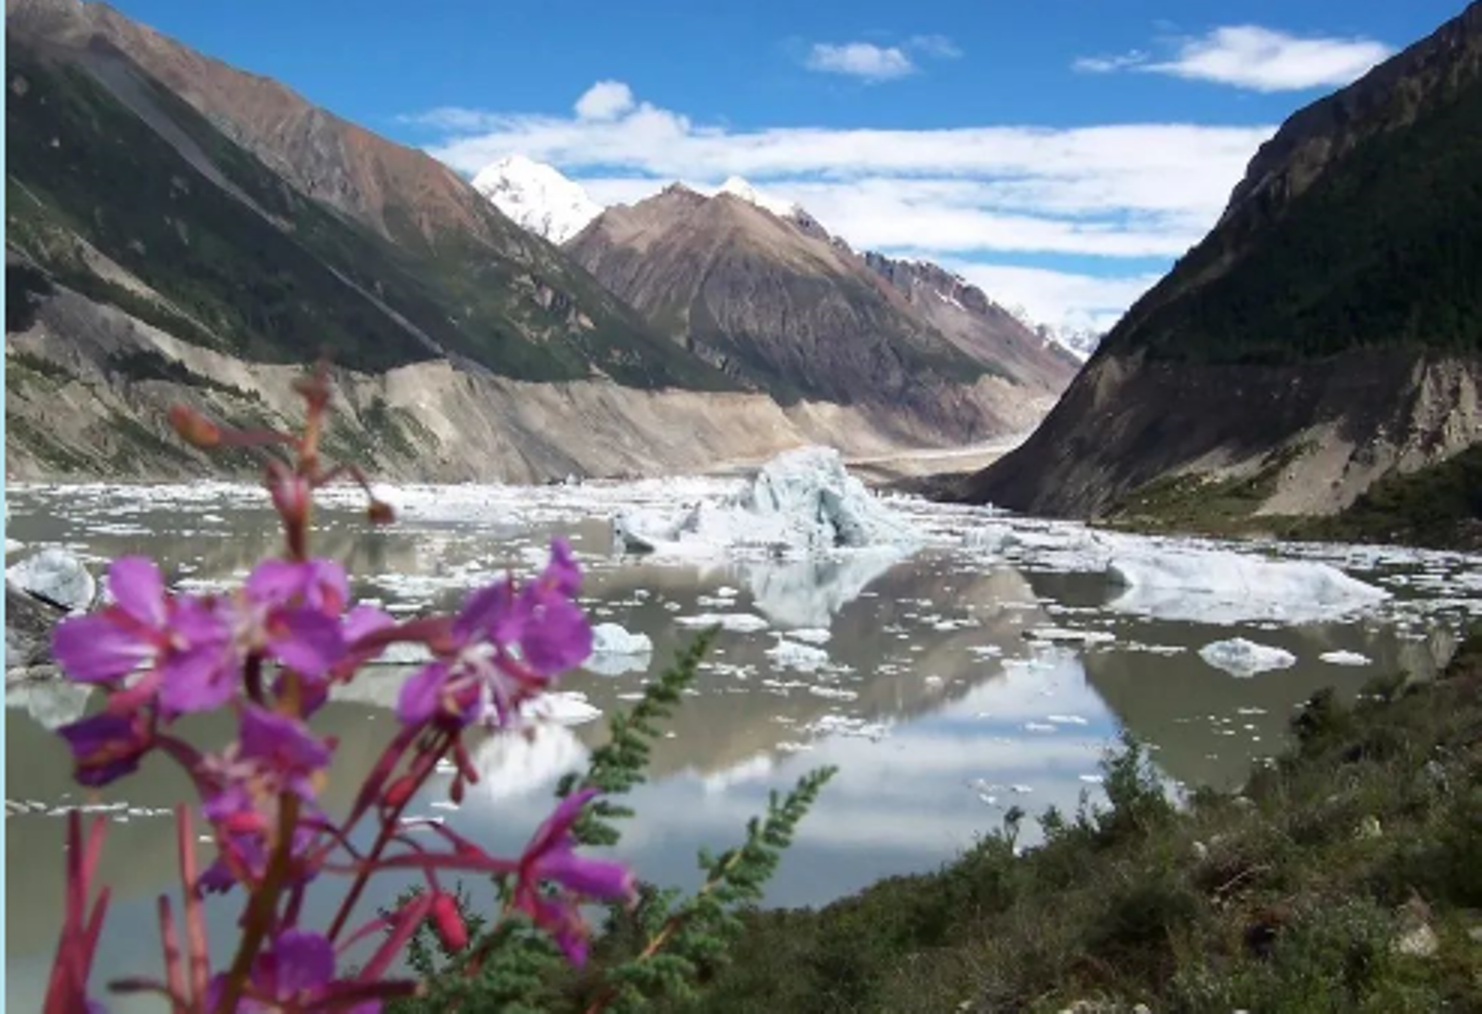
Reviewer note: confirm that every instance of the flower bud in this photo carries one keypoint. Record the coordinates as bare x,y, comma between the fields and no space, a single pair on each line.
399,792
380,513
456,792
291,495
448,922
194,428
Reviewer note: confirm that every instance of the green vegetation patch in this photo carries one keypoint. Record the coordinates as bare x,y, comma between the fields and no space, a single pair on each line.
1439,506
1381,251
1195,502
1347,876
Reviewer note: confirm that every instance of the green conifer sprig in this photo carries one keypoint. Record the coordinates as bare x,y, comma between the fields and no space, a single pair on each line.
666,944
687,937
621,764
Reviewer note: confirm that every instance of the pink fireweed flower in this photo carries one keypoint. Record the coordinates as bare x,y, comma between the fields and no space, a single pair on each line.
287,612
504,647
297,974
551,858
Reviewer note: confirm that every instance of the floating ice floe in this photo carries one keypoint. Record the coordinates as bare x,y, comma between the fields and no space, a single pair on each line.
792,655
1065,635
1344,658
741,623
1219,586
616,650
57,575
810,635
564,707
801,502
848,725
1240,657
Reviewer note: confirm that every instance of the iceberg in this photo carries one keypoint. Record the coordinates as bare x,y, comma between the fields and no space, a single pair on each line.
1240,657
616,650
1222,587
1344,658
51,702
56,575
801,502
612,639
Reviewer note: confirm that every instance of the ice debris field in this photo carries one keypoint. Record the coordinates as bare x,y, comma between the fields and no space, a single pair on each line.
844,616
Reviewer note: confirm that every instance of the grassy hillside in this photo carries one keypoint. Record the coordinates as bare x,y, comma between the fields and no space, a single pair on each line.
271,275
1345,877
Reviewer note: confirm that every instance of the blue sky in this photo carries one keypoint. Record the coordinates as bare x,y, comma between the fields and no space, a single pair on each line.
1061,153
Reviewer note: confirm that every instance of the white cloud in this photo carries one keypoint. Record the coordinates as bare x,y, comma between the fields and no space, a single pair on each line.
1107,64
863,60
1060,297
1255,58
969,194
939,46
605,100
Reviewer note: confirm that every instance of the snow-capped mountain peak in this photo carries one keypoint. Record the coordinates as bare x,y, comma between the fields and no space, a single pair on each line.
537,196
738,187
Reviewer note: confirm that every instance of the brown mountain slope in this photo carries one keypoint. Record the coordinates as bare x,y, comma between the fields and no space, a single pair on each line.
270,228
785,309
1325,335
401,192
976,325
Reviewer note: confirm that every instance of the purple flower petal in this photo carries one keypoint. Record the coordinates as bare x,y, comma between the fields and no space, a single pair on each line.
284,741
306,641
488,613
556,638
105,746
196,622
201,678
276,582
97,648
139,589
562,573
304,964
421,693
328,587
555,831
591,878
363,620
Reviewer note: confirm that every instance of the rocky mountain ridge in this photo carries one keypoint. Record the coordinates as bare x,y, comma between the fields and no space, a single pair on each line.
180,228
1326,335
781,306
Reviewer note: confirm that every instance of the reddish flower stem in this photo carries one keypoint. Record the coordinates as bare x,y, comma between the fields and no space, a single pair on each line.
422,766
170,942
195,923
259,917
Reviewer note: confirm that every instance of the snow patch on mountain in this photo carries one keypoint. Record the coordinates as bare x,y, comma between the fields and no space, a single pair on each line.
537,197
1078,341
738,187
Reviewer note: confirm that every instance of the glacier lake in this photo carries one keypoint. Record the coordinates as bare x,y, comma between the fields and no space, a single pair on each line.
987,665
